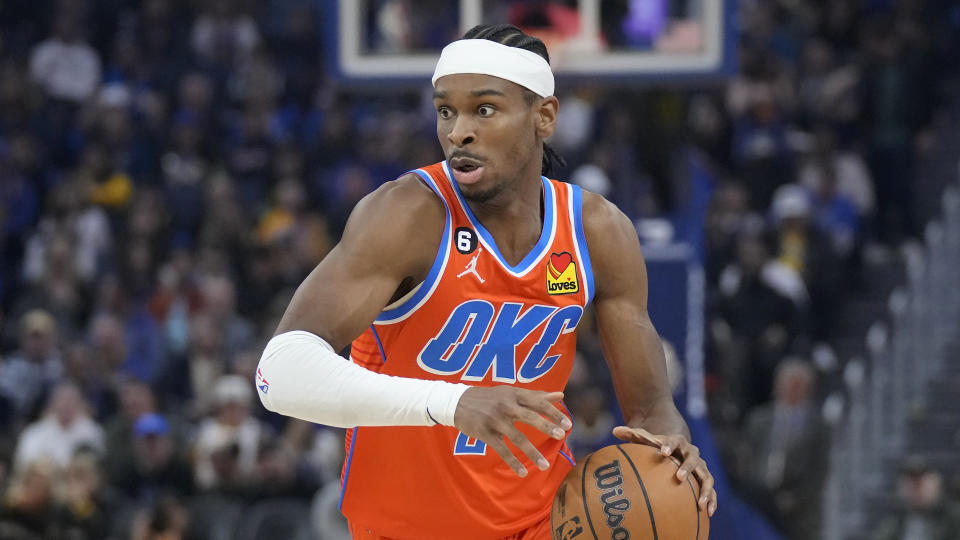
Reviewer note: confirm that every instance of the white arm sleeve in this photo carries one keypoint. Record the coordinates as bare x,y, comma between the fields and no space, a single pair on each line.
300,375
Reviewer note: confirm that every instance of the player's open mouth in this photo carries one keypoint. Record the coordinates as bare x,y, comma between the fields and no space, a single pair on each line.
466,170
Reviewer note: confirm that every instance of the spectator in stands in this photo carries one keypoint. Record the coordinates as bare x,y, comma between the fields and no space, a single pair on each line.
15,110
85,506
760,315
107,340
156,465
27,508
95,381
123,328
228,442
36,366
136,400
194,107
291,224
107,186
113,126
87,225
184,167
836,215
710,129
226,221
137,265
19,193
843,199
895,102
65,428
190,376
64,65
249,153
167,519
578,118
351,183
280,473
846,167
727,217
827,87
785,453
176,298
802,247
222,35
218,296
52,282
759,101
923,513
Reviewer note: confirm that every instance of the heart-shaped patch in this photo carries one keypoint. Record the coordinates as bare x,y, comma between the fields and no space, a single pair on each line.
560,261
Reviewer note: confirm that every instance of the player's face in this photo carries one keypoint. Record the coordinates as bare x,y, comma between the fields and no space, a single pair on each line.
489,132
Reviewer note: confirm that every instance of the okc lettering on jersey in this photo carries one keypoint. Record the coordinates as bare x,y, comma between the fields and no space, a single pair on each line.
460,342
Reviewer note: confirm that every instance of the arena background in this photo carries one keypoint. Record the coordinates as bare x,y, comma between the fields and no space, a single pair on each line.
171,170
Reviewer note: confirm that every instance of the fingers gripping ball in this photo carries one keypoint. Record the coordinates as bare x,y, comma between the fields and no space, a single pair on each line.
628,491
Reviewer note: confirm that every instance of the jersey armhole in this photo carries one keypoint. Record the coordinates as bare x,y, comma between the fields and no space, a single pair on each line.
404,307
580,240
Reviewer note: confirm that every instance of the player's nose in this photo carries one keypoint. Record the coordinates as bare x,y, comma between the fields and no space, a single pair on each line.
463,132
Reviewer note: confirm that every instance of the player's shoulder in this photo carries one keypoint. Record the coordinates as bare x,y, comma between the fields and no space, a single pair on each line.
402,222
401,205
601,218
407,191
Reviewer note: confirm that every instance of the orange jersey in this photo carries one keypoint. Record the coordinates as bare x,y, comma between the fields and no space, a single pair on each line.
478,320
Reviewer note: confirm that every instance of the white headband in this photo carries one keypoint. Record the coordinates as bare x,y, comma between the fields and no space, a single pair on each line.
485,57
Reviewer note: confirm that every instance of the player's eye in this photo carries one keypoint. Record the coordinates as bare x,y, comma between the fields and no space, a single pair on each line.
444,112
485,110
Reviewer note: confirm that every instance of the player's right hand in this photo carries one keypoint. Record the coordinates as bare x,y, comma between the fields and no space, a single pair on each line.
490,414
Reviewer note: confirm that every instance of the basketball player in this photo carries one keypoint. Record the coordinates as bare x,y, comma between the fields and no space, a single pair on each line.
460,286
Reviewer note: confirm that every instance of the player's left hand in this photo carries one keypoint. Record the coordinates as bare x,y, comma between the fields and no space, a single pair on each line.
679,446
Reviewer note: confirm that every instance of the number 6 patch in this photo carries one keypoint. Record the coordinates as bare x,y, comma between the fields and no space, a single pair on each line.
466,239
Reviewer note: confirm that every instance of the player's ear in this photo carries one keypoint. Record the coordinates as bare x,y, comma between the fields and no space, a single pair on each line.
546,116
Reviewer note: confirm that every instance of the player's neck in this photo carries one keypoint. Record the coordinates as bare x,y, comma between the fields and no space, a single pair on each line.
520,198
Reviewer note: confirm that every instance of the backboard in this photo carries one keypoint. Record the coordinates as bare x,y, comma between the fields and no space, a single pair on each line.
648,41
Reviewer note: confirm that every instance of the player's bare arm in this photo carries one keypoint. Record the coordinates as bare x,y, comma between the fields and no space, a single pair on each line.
631,344
387,248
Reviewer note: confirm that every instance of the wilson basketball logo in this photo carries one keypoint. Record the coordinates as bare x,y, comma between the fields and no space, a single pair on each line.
562,274
609,480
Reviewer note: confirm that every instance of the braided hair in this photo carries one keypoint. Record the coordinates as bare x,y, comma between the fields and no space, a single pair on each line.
511,36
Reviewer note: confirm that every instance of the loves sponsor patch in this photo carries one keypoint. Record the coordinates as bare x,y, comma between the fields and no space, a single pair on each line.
562,274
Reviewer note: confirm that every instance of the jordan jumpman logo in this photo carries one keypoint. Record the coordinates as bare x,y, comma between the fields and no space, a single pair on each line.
471,267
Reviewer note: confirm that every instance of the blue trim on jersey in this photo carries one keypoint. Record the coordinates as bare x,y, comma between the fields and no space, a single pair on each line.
569,416
582,238
376,336
346,473
549,222
434,275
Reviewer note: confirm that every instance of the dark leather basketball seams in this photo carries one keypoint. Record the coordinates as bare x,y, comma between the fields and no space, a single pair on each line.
643,488
696,504
583,495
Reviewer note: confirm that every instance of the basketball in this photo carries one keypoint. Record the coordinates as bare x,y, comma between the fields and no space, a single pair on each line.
628,491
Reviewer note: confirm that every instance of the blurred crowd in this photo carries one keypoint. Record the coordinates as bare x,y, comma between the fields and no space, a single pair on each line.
170,171
817,139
